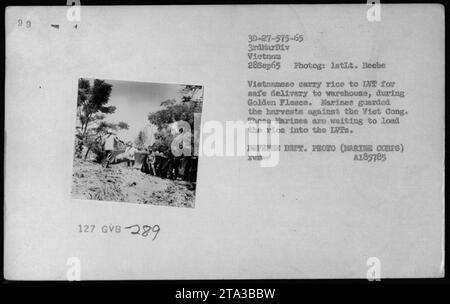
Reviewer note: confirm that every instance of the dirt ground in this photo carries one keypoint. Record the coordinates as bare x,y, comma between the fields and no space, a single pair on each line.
125,184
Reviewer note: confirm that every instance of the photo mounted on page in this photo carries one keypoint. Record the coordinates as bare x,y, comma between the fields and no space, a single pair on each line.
135,142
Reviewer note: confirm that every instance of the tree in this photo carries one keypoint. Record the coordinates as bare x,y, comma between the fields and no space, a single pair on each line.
189,92
163,139
91,103
191,102
140,140
91,111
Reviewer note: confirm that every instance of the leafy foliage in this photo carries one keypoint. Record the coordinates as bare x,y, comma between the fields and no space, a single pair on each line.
140,141
92,99
191,102
92,109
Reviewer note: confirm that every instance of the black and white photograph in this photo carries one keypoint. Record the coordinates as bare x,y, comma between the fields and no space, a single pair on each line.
224,143
129,139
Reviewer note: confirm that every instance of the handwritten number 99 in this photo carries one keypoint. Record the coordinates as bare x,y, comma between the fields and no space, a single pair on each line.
20,23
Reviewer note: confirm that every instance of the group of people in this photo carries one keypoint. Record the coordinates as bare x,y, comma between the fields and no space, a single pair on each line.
157,163
166,165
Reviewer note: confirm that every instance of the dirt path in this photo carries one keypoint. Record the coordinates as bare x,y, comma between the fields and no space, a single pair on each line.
122,184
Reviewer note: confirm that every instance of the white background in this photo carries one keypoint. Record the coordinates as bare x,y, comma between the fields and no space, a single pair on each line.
312,216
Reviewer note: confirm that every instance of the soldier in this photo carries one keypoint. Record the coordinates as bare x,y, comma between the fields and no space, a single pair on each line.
151,160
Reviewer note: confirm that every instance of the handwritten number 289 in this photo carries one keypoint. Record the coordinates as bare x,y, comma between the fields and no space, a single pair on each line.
146,229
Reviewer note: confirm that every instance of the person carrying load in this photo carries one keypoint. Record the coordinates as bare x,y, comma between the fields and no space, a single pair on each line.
109,146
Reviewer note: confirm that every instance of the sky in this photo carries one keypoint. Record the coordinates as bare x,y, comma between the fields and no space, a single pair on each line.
135,100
